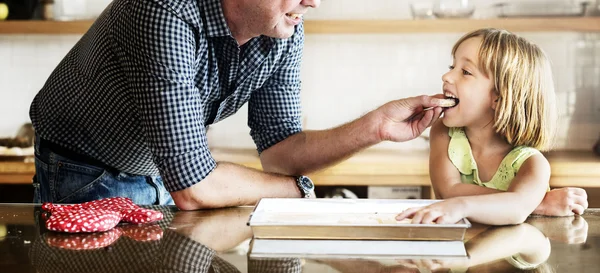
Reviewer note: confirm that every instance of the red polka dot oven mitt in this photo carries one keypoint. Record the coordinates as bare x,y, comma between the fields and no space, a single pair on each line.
89,241
84,241
97,216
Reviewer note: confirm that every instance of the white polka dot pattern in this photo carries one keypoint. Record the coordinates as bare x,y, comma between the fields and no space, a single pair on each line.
143,233
83,221
98,215
84,241
97,240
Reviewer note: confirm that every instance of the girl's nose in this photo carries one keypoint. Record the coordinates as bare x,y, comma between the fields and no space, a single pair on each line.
447,77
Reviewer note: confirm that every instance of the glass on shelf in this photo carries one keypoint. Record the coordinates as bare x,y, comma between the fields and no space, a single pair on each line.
70,10
453,8
422,9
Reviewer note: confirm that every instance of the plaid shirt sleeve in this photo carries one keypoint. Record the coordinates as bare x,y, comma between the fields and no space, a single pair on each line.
274,111
274,265
179,253
159,57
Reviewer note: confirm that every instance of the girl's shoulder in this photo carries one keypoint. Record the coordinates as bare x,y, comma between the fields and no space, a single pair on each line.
519,154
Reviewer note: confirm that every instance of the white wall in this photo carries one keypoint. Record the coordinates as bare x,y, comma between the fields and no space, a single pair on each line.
345,76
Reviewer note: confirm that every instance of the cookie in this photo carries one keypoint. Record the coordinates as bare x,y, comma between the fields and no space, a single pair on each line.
448,102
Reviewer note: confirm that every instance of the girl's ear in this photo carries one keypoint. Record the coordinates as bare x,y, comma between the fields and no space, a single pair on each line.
496,98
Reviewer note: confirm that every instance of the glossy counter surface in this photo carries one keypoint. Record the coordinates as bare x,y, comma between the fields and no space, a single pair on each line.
218,241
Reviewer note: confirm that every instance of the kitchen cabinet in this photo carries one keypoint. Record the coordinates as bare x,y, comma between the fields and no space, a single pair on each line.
537,24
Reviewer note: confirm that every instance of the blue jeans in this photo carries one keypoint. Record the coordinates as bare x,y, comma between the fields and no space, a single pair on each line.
61,180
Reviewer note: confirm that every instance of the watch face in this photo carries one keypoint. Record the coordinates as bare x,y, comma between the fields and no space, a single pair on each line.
306,183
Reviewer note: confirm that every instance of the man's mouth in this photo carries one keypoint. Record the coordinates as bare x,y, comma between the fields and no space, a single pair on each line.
294,16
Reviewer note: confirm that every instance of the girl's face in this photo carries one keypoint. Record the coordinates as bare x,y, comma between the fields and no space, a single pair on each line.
471,87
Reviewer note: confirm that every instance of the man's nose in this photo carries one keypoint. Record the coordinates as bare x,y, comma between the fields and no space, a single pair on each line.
311,3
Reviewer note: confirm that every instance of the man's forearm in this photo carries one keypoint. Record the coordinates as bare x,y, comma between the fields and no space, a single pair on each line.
234,185
207,227
310,151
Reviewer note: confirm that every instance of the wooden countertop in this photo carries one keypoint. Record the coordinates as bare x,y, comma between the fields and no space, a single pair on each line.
376,167
383,162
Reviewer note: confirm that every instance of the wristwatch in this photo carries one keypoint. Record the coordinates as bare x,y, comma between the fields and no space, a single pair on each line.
306,186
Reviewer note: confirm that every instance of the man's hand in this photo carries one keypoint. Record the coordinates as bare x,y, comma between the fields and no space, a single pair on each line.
563,202
449,211
406,119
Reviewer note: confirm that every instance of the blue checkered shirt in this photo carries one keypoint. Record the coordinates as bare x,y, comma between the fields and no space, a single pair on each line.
140,88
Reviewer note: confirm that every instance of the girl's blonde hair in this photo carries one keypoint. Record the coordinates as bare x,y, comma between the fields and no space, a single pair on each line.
526,109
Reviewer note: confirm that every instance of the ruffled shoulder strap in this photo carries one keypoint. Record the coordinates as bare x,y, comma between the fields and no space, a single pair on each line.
518,155
459,151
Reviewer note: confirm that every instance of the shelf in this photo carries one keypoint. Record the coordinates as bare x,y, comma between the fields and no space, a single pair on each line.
583,24
44,27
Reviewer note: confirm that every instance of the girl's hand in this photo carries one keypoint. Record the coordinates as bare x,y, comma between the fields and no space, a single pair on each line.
563,202
449,211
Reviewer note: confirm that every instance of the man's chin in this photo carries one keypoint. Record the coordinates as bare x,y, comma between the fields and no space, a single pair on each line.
282,32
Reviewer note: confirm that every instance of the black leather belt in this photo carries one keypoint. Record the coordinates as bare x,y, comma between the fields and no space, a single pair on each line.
70,154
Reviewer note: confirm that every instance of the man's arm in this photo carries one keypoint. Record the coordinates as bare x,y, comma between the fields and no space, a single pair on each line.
309,151
207,227
231,185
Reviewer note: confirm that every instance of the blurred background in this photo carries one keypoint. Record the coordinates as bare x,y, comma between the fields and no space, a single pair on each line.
354,73
345,75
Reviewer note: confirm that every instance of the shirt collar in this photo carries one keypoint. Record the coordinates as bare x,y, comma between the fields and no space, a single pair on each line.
216,25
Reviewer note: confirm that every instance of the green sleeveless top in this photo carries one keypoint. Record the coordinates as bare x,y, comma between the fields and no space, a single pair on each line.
459,151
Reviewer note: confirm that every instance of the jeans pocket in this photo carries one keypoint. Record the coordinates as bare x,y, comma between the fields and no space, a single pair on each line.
41,182
77,183
37,196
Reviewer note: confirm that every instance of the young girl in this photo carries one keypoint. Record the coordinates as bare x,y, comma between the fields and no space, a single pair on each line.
485,155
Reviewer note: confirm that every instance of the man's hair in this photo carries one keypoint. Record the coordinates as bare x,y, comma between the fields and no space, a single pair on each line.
526,108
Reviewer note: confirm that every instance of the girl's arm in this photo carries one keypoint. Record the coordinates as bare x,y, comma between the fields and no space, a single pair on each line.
446,183
477,203
525,193
493,245
502,242
511,207
445,178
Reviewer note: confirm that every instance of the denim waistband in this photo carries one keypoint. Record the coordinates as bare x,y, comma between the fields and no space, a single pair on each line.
70,154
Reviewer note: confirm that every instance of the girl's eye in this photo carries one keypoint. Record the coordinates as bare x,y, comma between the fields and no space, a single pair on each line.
465,72
450,67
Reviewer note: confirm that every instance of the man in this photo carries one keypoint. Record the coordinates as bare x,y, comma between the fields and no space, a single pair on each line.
125,113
